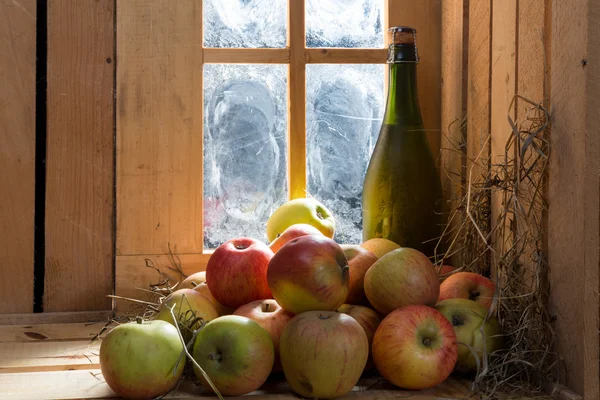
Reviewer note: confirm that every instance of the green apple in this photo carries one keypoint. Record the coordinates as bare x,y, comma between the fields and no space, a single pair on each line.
467,318
142,360
301,211
236,353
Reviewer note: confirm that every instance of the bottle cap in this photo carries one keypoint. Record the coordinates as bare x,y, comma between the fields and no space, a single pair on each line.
402,35
403,45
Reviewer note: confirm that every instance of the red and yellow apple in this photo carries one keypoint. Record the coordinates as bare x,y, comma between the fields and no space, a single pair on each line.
323,354
293,232
301,211
309,273
401,277
236,353
368,319
379,246
468,317
269,315
468,285
415,347
236,272
359,261
142,360
191,310
445,271
205,291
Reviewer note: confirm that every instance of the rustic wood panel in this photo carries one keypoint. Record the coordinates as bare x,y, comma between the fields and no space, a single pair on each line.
90,384
296,101
426,17
159,126
17,153
454,100
573,215
55,317
80,156
49,332
48,356
132,273
504,78
478,81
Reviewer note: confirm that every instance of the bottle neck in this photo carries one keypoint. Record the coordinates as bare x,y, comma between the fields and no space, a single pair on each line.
403,102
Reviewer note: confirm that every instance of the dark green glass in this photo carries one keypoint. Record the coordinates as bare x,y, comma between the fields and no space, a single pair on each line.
402,190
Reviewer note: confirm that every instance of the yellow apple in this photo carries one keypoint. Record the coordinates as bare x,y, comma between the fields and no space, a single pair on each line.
301,211
379,246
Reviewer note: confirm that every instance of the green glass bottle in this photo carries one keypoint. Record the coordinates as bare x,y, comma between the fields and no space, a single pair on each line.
402,195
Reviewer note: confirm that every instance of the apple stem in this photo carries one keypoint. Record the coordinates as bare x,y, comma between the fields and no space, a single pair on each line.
266,307
139,320
427,342
187,352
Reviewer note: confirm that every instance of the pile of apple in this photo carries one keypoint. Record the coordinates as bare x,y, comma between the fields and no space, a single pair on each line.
320,312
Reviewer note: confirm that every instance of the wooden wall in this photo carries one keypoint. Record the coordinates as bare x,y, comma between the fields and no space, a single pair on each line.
57,158
547,51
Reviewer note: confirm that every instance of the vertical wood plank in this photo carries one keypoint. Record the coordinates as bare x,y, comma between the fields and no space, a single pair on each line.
426,17
478,81
297,100
454,97
17,153
573,215
80,156
159,126
504,78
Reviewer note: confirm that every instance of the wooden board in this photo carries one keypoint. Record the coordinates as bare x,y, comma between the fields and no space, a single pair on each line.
159,126
48,356
573,215
504,78
55,317
80,156
453,104
478,81
296,101
49,332
426,17
17,153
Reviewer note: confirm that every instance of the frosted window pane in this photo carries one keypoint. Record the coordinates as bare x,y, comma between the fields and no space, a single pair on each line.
344,23
245,23
344,110
245,124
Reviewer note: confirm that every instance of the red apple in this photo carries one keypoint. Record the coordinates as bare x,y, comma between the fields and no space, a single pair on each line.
309,273
468,285
359,261
445,272
193,280
368,319
293,232
323,354
415,347
271,317
236,272
401,277
190,308
236,353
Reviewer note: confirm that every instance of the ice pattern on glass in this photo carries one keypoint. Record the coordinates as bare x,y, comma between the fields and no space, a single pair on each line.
344,110
245,124
245,23
344,23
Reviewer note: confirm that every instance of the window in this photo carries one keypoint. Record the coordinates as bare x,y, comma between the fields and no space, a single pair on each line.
293,101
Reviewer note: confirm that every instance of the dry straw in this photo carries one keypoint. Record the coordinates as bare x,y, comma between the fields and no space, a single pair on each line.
496,228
